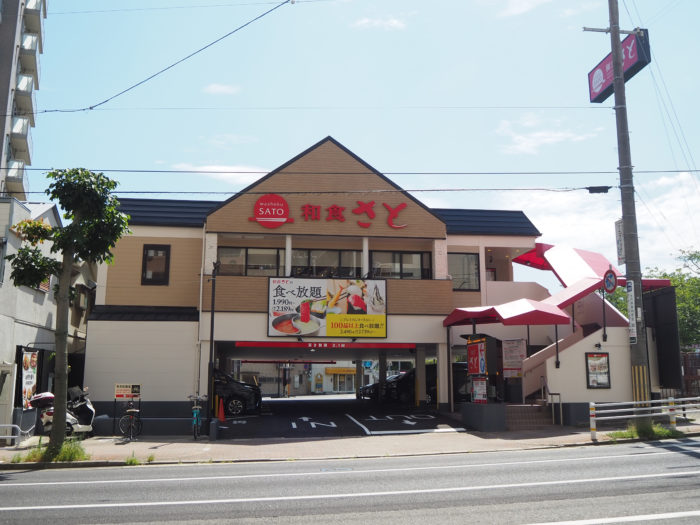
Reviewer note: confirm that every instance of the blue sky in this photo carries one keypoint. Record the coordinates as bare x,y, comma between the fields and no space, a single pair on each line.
497,87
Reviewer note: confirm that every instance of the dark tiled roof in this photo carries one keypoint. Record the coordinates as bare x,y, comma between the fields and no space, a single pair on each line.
143,313
193,213
486,222
166,212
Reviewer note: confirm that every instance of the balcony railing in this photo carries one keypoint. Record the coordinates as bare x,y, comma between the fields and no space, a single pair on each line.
14,182
24,97
29,57
21,139
34,13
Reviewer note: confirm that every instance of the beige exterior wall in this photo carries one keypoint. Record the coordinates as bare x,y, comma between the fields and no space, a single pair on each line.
160,356
123,283
328,168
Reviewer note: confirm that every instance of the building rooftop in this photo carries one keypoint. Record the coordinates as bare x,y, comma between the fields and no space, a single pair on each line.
193,213
486,222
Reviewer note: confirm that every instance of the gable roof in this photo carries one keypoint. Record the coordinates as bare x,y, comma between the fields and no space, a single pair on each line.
320,143
166,212
486,222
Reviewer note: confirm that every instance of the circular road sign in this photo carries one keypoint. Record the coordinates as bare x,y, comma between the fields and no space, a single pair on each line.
610,281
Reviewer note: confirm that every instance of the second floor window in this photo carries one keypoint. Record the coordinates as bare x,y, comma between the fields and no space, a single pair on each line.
251,261
401,265
464,269
156,264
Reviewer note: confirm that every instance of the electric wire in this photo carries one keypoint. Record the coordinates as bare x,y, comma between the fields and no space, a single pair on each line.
134,86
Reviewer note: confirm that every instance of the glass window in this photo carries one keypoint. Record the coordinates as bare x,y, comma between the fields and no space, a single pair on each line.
262,261
300,263
324,263
232,261
464,269
386,265
350,264
411,266
156,264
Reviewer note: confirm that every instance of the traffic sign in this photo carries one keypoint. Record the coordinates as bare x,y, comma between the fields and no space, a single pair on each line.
610,281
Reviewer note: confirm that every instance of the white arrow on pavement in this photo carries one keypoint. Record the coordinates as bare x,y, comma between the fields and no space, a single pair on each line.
407,422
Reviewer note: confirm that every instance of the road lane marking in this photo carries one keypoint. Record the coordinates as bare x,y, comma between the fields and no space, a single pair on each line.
307,497
322,473
626,519
412,431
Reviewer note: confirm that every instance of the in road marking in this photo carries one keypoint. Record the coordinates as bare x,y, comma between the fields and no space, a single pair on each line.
627,519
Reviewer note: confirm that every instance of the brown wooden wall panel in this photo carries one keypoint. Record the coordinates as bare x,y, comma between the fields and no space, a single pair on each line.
124,276
249,294
428,297
331,177
466,299
237,294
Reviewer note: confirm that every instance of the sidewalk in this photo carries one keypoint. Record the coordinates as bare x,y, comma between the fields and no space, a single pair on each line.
179,449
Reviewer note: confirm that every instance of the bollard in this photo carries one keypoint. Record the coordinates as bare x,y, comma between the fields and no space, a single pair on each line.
213,429
672,413
591,408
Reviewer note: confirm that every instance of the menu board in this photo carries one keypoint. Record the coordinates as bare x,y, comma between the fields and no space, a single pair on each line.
513,354
326,308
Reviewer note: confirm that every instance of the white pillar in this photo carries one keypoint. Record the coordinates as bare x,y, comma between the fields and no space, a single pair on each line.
365,255
288,255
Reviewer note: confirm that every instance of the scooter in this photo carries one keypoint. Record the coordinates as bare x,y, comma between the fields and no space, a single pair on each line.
79,410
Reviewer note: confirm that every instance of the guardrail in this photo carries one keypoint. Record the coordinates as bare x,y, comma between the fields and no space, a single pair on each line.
668,407
17,438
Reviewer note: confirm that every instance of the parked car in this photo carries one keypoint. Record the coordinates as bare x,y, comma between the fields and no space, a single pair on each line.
239,397
371,391
403,389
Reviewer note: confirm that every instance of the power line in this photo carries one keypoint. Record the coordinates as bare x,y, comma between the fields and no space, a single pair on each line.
590,189
392,173
173,64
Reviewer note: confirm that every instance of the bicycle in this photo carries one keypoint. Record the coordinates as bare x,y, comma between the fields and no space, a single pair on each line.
196,413
130,424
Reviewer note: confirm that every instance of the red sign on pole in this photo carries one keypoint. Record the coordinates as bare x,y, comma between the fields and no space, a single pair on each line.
636,54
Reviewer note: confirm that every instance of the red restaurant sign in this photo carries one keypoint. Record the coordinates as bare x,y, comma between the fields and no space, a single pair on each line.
636,54
271,211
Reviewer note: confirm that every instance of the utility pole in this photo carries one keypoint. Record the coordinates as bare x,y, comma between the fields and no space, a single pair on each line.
641,390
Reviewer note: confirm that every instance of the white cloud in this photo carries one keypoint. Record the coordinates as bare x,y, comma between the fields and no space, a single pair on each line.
530,142
665,223
234,175
581,8
519,7
221,89
380,23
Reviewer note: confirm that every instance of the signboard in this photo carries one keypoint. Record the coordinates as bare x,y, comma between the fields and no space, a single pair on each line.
479,390
636,54
630,312
620,241
476,358
127,391
514,351
271,211
326,308
597,370
29,376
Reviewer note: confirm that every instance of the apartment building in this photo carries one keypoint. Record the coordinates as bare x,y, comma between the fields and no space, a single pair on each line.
21,43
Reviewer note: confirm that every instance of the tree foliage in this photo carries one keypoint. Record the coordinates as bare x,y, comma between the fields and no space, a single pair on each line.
95,225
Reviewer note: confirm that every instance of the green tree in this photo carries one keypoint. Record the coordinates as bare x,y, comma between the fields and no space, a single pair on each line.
686,280
94,227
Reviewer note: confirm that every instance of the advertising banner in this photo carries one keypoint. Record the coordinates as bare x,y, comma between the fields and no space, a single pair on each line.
479,390
476,358
513,354
326,307
29,376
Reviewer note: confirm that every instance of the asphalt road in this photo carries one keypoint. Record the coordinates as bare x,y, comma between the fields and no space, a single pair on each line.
630,483
343,416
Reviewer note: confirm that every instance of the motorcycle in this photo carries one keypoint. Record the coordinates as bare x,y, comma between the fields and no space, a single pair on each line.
79,410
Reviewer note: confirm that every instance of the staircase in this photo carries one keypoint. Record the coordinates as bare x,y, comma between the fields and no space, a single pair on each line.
529,417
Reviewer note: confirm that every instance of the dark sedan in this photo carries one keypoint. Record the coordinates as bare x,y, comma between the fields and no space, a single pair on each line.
239,397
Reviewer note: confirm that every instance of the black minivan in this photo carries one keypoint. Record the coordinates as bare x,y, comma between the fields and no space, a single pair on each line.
403,388
239,398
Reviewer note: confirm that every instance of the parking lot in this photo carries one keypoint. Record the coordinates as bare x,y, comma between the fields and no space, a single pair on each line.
333,416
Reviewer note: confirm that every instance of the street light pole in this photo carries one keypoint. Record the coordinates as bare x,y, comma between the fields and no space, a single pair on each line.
638,342
212,400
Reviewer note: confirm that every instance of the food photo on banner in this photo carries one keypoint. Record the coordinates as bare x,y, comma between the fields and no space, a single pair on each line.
29,376
326,307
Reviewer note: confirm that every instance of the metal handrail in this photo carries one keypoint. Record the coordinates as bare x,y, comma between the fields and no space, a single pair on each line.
17,438
636,409
544,387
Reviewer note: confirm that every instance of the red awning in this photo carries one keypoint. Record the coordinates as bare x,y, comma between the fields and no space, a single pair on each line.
519,312
535,257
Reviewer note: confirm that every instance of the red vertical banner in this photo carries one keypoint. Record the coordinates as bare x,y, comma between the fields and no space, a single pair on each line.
476,358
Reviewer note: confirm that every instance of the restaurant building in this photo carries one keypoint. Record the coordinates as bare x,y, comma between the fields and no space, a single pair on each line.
305,278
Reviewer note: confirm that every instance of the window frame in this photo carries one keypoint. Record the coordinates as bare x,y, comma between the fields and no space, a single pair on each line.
397,257
478,271
164,281
279,256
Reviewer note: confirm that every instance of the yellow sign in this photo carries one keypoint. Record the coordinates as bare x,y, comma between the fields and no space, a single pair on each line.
348,325
346,370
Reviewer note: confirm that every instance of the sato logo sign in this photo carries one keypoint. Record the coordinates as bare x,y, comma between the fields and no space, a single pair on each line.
271,211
